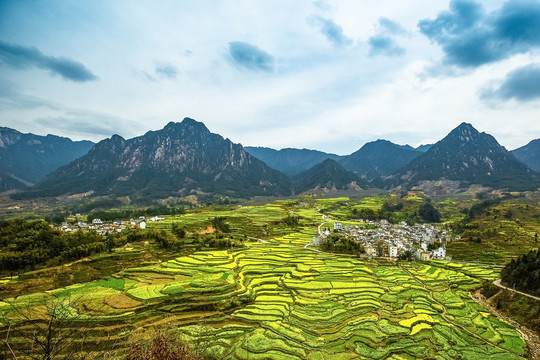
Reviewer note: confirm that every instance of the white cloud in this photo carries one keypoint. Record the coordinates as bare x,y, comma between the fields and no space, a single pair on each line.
318,95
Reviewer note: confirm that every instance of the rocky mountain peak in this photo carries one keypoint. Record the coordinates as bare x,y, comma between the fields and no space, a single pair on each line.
180,159
470,157
187,126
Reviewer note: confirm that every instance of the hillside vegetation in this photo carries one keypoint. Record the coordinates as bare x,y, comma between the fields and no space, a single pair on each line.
269,298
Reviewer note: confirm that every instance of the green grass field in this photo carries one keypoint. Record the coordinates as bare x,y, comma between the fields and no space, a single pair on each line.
277,300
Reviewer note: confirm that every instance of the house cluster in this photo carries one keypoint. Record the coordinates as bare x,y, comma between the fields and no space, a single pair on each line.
104,227
381,238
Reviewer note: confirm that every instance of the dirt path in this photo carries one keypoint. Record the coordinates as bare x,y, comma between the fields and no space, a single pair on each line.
498,283
531,338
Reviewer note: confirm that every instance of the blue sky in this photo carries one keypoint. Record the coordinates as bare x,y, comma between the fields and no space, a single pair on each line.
326,75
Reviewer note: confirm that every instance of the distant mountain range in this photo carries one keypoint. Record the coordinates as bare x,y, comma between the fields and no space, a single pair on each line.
181,159
186,158
379,158
470,157
529,155
376,158
328,175
290,161
25,159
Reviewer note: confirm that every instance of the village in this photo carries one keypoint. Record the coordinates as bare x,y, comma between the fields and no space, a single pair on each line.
379,238
105,227
383,239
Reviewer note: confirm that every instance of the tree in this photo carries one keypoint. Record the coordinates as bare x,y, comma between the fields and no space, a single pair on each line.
406,255
220,224
429,213
381,247
524,272
45,335
162,347
178,231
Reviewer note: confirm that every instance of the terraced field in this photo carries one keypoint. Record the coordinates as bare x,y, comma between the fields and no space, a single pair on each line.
277,300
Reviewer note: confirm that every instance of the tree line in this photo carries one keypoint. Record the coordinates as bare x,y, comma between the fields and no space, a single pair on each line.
524,272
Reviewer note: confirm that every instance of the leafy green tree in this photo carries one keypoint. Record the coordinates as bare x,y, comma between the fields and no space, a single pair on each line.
178,230
219,222
342,244
406,255
291,220
524,272
429,213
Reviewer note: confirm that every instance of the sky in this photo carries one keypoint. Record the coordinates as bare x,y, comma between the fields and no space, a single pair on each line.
325,75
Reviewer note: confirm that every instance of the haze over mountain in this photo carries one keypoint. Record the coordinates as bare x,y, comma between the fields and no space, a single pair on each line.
328,175
182,158
470,157
290,161
25,159
529,155
379,158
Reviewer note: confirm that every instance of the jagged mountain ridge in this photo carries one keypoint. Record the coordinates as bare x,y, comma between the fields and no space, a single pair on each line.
329,175
423,148
25,159
180,159
470,157
290,161
529,155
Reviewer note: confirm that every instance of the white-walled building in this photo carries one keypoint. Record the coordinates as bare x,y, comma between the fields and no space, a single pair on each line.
440,253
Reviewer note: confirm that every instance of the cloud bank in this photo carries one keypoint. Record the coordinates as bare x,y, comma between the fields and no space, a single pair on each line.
22,58
166,71
382,42
522,84
250,57
470,37
332,31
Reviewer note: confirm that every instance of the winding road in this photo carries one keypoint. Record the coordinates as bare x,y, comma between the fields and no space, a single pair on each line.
498,283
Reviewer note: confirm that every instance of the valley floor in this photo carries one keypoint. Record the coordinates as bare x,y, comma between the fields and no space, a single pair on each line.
277,300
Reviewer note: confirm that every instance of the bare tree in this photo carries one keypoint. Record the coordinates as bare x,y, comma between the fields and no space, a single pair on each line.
45,335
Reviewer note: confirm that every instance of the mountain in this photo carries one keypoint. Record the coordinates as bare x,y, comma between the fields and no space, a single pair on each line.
328,175
379,158
182,158
529,155
25,159
424,148
470,157
290,161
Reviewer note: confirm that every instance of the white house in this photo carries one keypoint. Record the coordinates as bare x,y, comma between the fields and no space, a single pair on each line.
317,241
440,253
393,250
338,226
142,225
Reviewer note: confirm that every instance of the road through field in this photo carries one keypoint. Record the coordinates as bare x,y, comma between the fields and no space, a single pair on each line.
498,283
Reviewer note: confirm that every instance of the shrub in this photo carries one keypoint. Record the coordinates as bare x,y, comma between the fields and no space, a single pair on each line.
162,347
